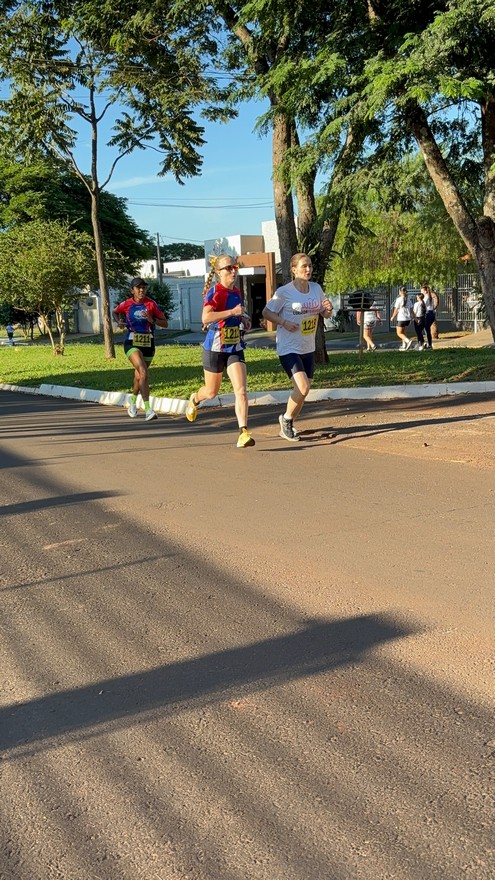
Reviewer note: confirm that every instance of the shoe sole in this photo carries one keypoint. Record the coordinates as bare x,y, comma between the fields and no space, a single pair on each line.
191,416
289,439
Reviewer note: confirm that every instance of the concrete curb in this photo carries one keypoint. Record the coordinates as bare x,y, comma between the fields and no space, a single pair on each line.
177,405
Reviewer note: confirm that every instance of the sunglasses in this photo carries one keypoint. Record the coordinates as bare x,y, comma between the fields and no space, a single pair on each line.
228,268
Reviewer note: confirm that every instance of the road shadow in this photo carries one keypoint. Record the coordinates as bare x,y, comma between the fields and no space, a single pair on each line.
318,647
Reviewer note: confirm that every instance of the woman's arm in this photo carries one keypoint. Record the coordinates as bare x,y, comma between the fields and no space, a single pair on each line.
209,316
327,308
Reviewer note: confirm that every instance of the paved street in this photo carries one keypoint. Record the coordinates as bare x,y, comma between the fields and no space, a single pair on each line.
263,664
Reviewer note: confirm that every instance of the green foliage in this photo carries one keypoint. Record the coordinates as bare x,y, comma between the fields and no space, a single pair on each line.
162,295
394,234
43,266
179,250
46,190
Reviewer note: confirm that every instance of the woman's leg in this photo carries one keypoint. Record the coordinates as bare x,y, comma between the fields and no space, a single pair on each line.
141,383
429,320
368,336
301,386
210,388
237,374
402,335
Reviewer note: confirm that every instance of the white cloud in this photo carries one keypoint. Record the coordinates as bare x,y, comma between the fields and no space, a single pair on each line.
133,182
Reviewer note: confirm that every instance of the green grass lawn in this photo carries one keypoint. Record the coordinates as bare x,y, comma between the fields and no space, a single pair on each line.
176,370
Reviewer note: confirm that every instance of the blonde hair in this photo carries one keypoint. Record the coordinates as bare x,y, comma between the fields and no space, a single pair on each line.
214,258
296,259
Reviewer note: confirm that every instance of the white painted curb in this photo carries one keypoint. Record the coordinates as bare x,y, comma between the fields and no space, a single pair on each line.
177,405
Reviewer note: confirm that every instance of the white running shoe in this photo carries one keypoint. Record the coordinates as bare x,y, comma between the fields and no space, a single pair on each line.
408,345
132,411
150,414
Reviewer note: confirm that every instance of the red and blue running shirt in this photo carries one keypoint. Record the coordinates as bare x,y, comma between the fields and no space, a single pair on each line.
224,335
139,329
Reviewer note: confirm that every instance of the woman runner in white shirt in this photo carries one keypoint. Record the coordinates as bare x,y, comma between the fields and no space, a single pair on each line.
294,309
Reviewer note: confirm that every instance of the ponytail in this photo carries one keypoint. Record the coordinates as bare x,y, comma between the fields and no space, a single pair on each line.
213,262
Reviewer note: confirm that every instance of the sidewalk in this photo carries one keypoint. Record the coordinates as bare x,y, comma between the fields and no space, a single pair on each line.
337,342
263,339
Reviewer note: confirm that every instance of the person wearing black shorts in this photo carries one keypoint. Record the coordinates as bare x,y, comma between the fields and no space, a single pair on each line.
223,348
138,315
294,309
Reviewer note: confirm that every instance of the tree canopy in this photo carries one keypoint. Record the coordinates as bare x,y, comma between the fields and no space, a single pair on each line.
43,266
44,190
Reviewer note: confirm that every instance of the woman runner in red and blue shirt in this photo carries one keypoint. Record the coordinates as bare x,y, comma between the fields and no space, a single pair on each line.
223,348
138,315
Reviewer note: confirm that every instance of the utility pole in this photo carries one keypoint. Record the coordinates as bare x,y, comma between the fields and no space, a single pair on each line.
159,259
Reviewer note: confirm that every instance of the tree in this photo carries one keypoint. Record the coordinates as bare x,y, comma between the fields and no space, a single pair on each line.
431,70
43,266
52,53
397,231
46,190
178,250
274,49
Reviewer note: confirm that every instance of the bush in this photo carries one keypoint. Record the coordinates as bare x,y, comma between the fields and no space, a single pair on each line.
162,295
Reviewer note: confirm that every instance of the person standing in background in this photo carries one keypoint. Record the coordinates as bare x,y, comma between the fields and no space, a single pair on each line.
370,319
419,311
402,311
10,333
431,303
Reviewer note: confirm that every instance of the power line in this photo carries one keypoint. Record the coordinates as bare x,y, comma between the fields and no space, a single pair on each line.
162,204
186,240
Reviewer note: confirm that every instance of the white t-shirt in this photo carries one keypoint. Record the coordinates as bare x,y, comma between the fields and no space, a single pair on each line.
419,309
299,308
370,317
429,302
404,311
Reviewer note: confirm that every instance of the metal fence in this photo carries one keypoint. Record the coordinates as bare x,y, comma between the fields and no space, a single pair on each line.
453,307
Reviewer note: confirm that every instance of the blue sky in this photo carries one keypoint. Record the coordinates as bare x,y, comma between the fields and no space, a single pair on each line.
233,194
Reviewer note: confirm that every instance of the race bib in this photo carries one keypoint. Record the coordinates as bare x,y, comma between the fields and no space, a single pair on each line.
143,339
308,326
231,335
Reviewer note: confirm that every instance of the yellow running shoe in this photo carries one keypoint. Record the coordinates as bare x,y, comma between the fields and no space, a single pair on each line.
245,439
192,409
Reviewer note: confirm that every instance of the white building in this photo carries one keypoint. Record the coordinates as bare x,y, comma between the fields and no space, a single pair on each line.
186,279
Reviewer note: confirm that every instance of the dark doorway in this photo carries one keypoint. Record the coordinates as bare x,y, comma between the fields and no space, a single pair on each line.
258,301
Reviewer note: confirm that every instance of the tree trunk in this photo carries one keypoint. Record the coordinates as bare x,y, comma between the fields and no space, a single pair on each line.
478,235
282,195
485,259
47,327
102,277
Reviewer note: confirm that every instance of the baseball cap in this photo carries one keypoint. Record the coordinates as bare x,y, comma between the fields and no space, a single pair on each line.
139,282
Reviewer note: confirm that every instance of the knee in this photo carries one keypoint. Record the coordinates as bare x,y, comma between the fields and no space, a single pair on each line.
302,391
141,374
209,394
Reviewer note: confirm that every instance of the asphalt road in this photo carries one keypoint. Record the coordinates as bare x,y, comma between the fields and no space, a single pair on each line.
264,664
